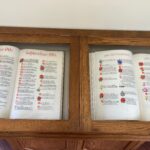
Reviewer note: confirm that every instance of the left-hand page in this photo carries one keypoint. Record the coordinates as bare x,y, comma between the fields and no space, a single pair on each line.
8,68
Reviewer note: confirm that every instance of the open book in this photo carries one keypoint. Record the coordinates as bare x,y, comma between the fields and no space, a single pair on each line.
120,85
31,83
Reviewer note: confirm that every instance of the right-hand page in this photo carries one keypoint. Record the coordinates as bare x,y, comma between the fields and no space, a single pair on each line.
142,73
39,85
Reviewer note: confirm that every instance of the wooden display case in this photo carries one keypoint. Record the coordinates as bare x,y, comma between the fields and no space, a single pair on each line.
79,124
30,37
138,42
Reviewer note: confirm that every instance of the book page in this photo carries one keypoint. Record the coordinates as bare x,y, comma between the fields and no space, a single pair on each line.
114,88
39,85
8,67
91,70
142,73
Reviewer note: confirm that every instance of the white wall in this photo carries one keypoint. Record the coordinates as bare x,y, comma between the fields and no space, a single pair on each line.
87,14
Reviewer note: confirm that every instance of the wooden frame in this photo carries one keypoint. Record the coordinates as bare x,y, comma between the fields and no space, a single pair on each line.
79,124
39,126
123,129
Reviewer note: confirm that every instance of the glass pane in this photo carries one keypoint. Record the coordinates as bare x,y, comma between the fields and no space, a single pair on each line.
119,82
48,100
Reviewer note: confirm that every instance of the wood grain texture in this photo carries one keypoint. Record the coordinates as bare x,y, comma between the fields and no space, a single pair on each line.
122,127
134,145
85,115
70,144
72,32
34,39
125,41
37,144
74,84
104,145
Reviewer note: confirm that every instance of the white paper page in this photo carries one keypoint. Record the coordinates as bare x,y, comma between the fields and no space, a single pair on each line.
115,89
8,68
142,73
38,90
92,83
91,70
